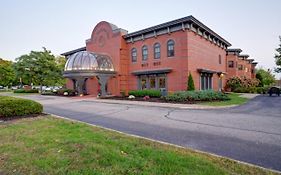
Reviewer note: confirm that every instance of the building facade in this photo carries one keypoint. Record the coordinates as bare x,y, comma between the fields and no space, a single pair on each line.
159,57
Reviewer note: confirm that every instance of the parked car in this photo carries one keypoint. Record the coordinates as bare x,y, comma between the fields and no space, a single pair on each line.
14,87
1,87
274,90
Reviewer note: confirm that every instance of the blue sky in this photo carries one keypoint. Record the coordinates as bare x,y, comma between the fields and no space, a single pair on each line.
63,25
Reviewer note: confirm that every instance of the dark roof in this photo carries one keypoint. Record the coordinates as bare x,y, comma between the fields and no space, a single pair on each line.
189,19
244,56
203,70
234,50
74,51
154,71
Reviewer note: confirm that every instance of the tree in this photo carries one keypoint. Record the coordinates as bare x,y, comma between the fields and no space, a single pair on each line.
278,57
190,83
265,76
39,68
7,74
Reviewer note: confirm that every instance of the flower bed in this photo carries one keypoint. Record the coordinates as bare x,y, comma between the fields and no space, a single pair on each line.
182,97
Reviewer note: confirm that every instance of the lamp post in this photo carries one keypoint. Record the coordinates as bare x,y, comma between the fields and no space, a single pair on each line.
28,69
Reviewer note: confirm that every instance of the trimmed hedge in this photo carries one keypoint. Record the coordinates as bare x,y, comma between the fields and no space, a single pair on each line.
258,90
48,93
12,107
208,95
26,91
143,93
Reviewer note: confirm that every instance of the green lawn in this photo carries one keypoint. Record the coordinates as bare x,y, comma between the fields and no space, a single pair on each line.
47,145
235,99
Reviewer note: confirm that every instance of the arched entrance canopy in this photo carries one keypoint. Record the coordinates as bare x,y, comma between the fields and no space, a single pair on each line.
84,64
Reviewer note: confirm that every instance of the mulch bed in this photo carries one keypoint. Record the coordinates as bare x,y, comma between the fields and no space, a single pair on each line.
159,100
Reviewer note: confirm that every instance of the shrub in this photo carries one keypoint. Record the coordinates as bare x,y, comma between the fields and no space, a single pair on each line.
243,83
70,92
48,93
259,90
11,107
26,91
208,95
190,83
142,93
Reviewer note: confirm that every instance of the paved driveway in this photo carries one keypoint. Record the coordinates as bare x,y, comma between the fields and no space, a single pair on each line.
250,133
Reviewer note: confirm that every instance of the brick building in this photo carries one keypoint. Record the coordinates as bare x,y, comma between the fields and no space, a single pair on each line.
158,57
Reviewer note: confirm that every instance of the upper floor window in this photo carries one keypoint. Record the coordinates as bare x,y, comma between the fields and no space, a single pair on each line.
219,59
157,51
134,55
170,48
230,64
240,67
144,53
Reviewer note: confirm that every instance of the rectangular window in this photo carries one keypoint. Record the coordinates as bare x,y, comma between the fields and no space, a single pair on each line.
162,82
143,83
206,80
157,52
152,82
230,64
240,67
171,51
134,56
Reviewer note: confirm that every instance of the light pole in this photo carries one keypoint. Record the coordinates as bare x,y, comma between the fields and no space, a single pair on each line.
28,69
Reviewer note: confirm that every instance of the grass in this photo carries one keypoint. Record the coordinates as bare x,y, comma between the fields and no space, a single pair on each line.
235,99
47,145
5,90
10,93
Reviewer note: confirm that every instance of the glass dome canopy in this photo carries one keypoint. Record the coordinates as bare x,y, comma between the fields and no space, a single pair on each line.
89,61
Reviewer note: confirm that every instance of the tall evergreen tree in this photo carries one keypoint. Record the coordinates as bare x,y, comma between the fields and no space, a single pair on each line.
190,83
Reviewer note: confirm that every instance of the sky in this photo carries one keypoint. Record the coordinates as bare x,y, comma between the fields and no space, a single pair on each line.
64,25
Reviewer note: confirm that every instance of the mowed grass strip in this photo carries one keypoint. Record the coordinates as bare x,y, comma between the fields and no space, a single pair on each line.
235,99
48,145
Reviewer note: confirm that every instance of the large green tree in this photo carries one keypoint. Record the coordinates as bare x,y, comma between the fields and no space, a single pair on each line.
39,68
265,76
278,57
7,74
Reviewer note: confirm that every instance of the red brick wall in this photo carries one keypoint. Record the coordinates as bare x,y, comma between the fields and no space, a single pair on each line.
69,83
248,67
176,80
204,54
243,63
92,86
231,72
105,40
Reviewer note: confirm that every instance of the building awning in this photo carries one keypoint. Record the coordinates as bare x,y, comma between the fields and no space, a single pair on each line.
201,70
153,71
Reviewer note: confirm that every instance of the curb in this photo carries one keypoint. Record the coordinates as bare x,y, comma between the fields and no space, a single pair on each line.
163,105
166,143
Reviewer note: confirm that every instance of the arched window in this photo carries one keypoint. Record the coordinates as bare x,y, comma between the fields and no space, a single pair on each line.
134,55
144,53
157,51
219,59
170,48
